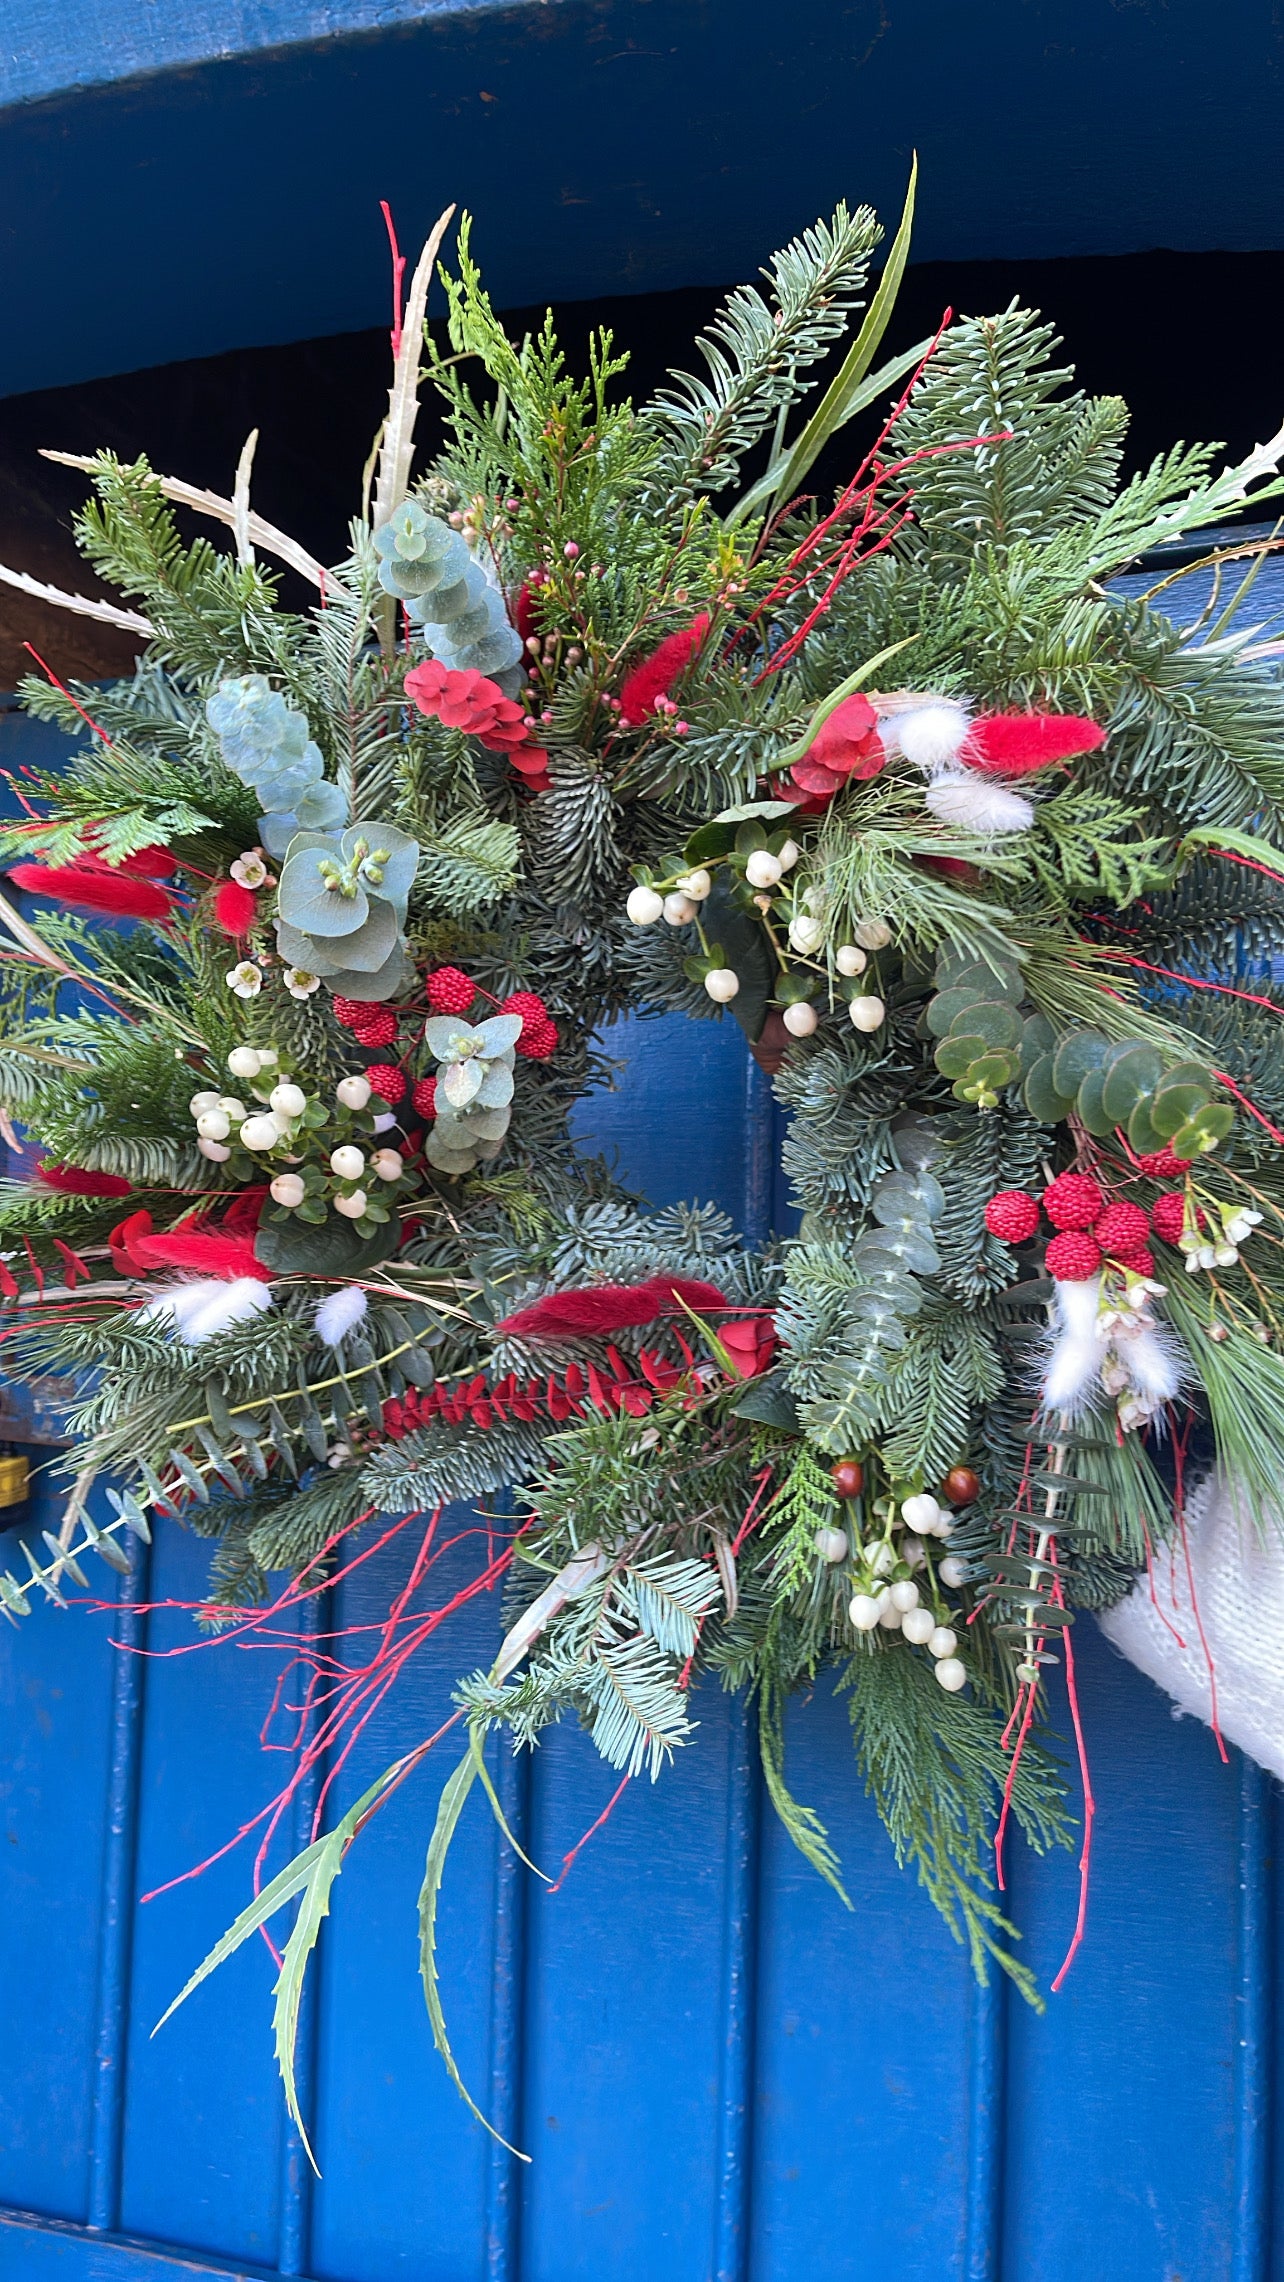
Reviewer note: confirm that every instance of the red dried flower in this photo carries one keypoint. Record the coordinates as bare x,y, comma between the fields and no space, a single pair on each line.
846,747
1014,744
1121,1228
351,1012
750,1344
470,702
387,1081
450,991
1168,1215
424,1097
1012,1215
539,1037
1073,1257
1073,1200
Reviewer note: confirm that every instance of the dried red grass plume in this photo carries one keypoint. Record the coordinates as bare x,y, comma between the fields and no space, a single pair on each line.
597,1308
655,677
235,908
89,888
1015,744
78,1180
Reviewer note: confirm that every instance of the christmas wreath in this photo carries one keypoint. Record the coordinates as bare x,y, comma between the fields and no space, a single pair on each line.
591,719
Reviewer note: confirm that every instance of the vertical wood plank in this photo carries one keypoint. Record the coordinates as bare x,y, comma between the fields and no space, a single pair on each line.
1254,2022
987,2102
508,1999
118,1881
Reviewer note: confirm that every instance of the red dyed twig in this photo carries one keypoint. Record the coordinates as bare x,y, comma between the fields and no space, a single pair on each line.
1250,1106
568,1860
51,676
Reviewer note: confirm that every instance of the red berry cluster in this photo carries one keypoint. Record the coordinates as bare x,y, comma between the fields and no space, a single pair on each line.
539,1031
450,990
385,1079
371,1025
1090,1229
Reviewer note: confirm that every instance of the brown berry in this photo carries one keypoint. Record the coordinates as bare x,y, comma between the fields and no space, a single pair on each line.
848,1477
962,1485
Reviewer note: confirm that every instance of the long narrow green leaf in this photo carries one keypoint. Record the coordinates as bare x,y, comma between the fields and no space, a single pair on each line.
478,1748
449,1808
845,396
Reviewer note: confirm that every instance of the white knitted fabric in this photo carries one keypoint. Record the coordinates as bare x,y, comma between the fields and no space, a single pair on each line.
1238,1567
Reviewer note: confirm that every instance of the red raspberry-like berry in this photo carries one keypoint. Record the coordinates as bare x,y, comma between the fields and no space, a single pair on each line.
450,991
1138,1263
1073,1200
1012,1215
379,1027
1168,1215
386,1080
424,1097
1073,1257
1121,1228
351,1012
1163,1166
538,1038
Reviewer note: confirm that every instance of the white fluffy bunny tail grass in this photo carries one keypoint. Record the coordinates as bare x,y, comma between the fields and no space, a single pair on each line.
930,736
977,804
1077,1352
200,1310
339,1313
1157,1362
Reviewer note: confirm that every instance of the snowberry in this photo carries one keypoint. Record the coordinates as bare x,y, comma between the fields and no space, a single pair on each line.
268,1057
952,1571
872,934
905,1595
952,1674
290,1100
806,933
789,855
214,1125
831,1544
697,884
353,1093
867,1013
921,1511
260,1133
918,1625
943,1641
288,1189
722,983
347,1162
216,1151
203,1101
644,906
850,959
889,1616
879,1558
232,1107
679,910
243,1062
912,1552
863,1611
763,869
801,1020
352,1206
387,1164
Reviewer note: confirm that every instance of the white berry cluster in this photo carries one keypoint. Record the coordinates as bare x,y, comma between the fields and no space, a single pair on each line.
286,1127
886,1594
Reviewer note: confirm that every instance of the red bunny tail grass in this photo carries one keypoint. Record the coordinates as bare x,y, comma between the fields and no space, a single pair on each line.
114,893
235,908
76,1180
1014,744
205,1251
656,675
609,1307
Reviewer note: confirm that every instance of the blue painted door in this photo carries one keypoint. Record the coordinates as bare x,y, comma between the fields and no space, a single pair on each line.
719,2073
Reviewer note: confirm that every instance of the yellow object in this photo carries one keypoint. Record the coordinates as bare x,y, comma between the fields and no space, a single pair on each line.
15,1474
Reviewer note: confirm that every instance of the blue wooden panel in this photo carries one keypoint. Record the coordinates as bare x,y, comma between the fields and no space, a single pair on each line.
218,184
